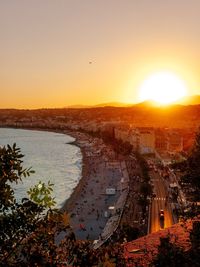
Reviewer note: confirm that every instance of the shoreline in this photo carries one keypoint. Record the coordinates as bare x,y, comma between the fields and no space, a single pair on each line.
90,208
70,201
74,143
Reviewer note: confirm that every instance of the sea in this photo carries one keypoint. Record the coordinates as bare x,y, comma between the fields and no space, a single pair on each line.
51,156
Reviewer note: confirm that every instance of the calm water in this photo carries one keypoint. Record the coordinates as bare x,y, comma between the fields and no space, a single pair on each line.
50,157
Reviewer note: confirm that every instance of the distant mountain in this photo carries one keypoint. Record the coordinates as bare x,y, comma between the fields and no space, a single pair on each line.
110,104
189,100
78,106
114,104
186,101
147,103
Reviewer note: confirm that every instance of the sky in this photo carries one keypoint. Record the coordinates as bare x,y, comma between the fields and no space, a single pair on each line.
55,53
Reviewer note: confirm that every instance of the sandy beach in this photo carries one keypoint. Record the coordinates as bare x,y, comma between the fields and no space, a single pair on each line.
94,215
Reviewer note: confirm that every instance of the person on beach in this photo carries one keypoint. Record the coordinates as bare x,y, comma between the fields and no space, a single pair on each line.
82,227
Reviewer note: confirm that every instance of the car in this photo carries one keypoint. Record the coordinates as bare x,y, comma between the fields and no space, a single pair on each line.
162,215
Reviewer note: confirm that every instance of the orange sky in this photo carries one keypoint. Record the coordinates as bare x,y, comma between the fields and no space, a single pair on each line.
46,47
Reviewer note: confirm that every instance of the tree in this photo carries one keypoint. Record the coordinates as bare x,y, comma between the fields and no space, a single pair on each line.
193,166
169,254
28,227
195,242
129,232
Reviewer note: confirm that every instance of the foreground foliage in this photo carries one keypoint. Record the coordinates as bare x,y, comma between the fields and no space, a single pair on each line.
25,226
169,254
193,171
33,232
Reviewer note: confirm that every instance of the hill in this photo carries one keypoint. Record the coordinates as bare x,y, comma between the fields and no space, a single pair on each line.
185,101
109,104
189,100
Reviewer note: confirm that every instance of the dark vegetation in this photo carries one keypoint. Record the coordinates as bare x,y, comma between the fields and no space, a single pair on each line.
120,147
193,168
29,228
145,188
190,174
169,254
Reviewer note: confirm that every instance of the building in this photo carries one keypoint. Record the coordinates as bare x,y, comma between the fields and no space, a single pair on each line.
161,140
175,141
146,140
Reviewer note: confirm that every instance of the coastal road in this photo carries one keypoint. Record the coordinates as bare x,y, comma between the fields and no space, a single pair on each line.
159,202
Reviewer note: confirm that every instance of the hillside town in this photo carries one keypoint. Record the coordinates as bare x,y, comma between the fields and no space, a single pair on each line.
155,137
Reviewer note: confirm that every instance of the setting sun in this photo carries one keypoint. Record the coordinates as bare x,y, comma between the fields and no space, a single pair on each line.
163,88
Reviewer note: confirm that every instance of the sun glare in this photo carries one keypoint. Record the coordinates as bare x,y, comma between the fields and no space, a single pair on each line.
163,88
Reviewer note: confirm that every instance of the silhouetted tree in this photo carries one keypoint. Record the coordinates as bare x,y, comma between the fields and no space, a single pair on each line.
169,255
195,241
193,167
29,228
